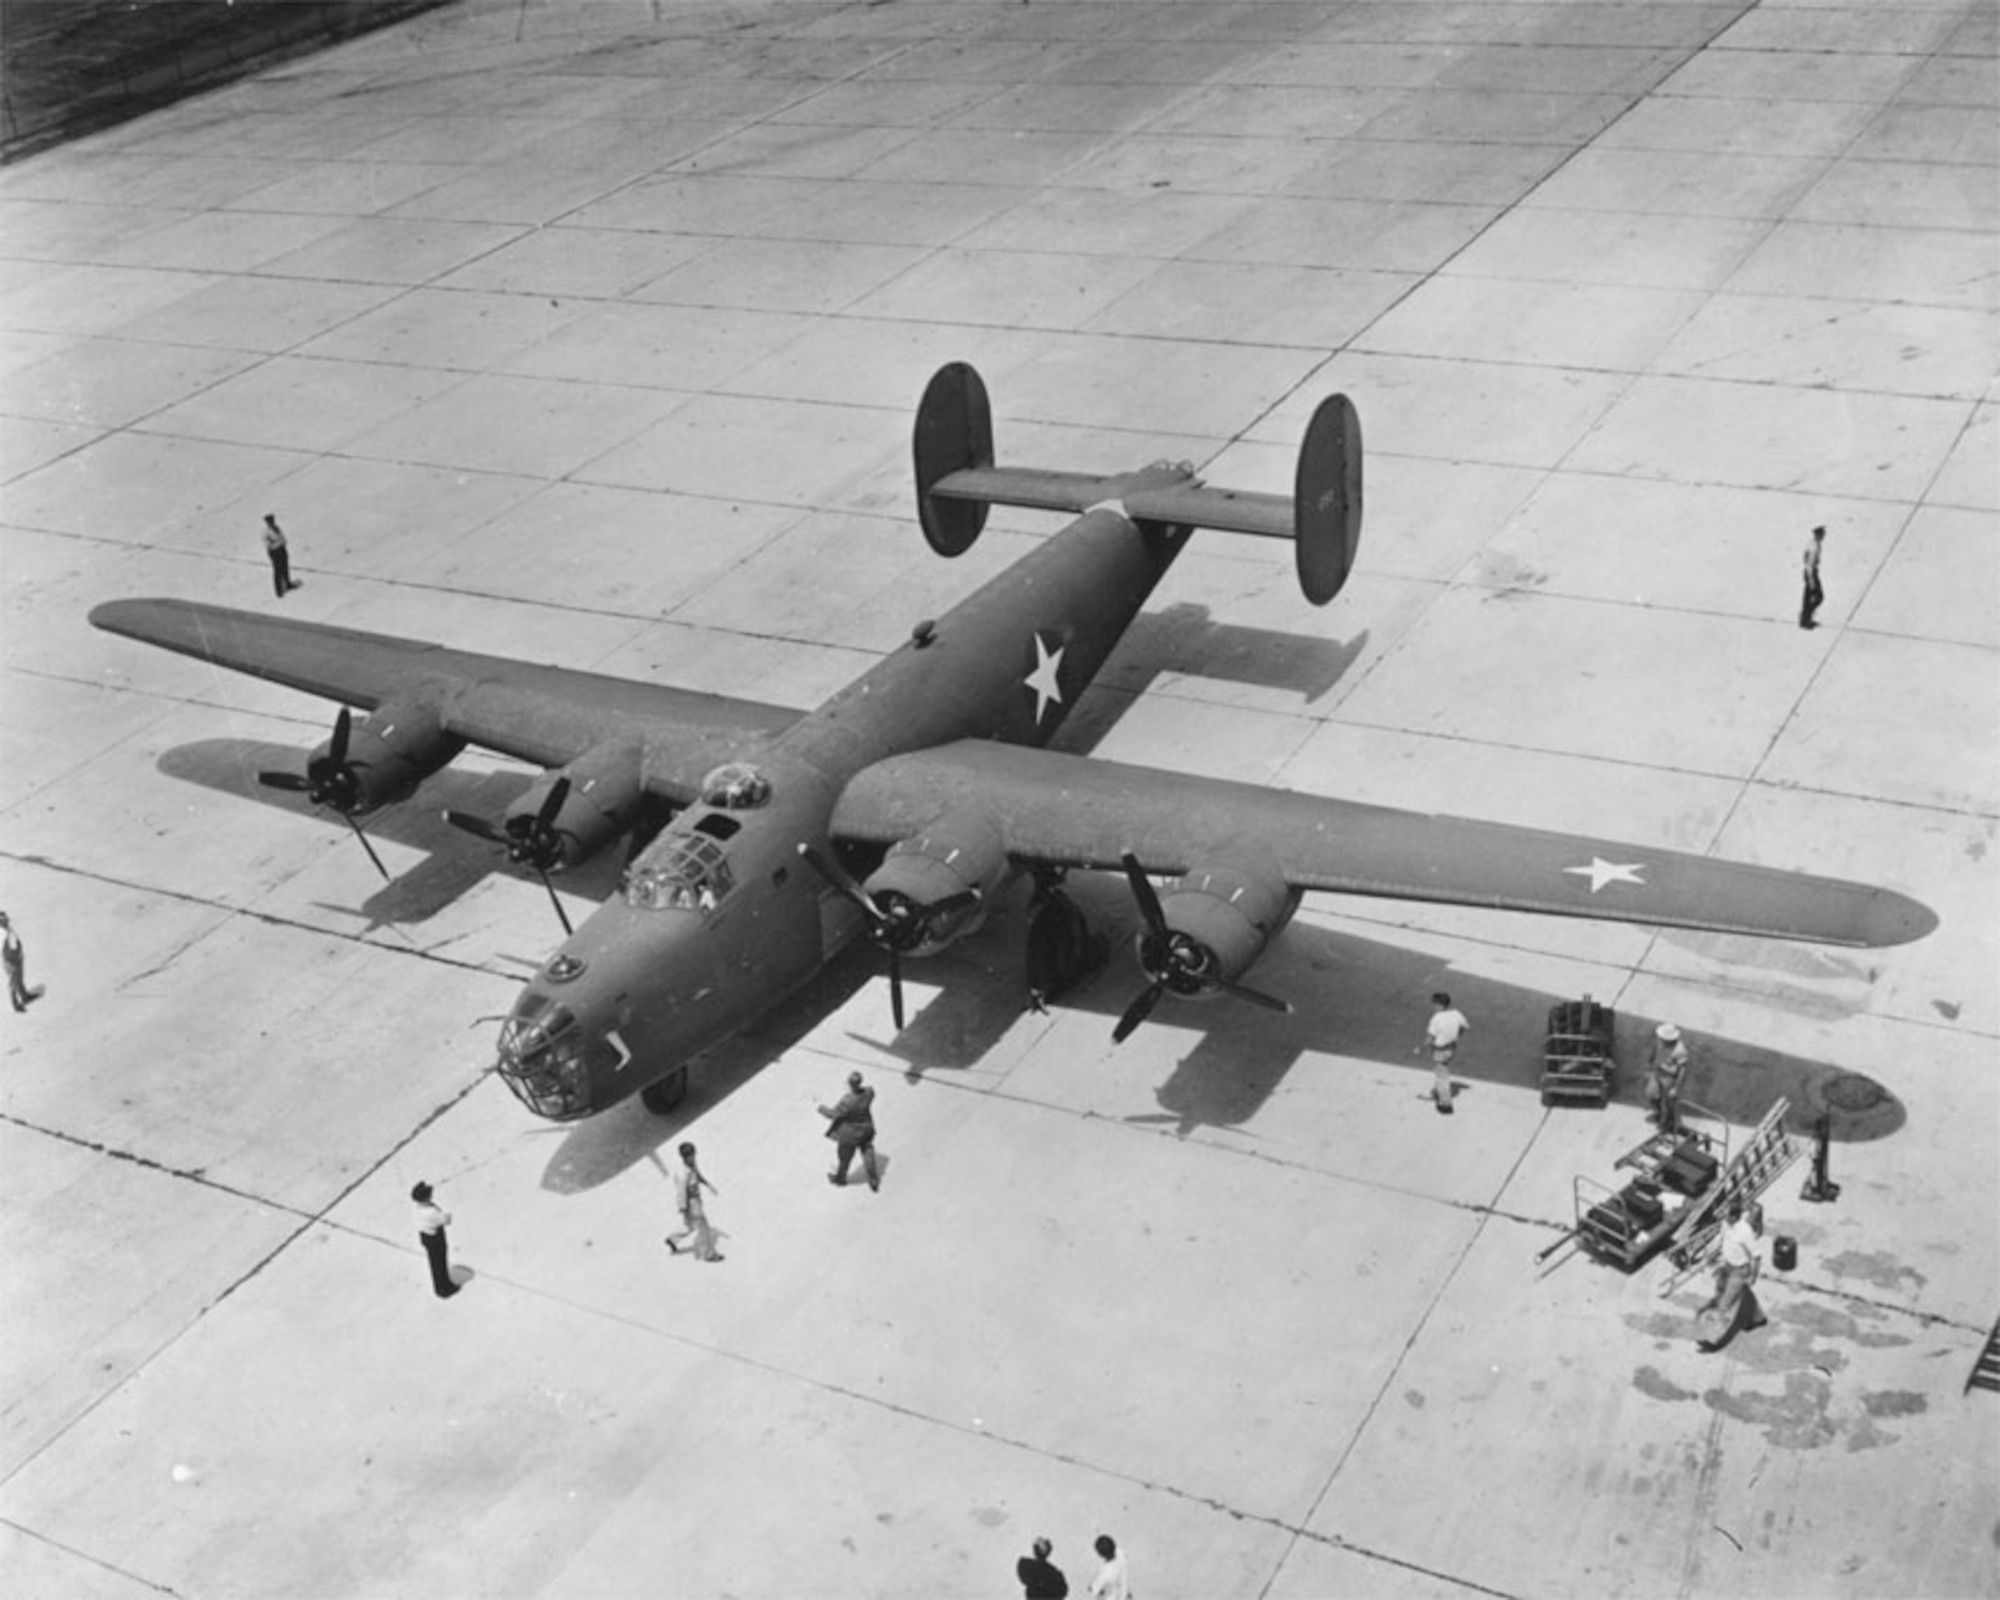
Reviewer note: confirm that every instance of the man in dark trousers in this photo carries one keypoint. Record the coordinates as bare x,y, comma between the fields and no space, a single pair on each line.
1041,1578
851,1125
432,1220
17,967
281,557
1810,600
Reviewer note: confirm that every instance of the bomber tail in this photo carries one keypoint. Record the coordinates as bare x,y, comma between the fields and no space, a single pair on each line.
957,480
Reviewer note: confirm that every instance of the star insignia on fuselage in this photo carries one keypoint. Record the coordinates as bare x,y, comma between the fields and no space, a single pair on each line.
1600,872
1046,678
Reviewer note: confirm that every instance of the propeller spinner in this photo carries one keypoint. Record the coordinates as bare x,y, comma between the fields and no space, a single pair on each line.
1176,961
330,780
897,924
529,838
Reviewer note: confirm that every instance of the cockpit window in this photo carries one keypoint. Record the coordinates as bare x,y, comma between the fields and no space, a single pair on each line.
736,786
685,872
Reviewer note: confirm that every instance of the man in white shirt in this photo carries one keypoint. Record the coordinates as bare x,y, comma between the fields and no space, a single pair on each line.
432,1219
1114,1578
1441,1035
1741,1260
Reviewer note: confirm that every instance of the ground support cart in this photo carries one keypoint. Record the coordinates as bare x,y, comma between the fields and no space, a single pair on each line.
1673,1173
1577,1068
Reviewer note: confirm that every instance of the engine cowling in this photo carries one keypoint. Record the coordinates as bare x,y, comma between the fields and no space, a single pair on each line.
932,887
1218,920
606,786
389,753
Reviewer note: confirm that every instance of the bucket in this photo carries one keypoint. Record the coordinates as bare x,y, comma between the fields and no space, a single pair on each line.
1784,1252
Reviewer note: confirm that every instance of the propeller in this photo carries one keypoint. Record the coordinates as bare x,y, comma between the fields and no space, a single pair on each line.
1176,960
896,923
329,780
529,838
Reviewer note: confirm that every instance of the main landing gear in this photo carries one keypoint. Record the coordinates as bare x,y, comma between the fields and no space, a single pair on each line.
1062,951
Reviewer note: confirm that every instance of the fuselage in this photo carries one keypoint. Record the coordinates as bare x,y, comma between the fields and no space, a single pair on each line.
719,917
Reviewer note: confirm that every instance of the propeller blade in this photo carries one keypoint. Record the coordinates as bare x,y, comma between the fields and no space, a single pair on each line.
1138,1011
476,825
343,724
556,901
1149,902
896,988
372,856
296,782
1269,1002
843,881
552,807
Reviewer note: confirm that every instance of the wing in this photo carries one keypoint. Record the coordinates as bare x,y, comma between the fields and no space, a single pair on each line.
546,715
1076,811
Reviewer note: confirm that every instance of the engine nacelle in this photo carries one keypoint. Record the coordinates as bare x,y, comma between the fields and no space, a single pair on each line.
606,787
399,745
1229,914
959,854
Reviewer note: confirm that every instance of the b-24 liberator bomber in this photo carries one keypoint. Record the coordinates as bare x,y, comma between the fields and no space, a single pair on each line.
895,810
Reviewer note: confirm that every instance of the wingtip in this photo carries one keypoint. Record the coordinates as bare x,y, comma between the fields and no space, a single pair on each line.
1898,919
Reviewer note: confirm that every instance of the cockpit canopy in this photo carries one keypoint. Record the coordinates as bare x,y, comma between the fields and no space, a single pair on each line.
683,871
735,786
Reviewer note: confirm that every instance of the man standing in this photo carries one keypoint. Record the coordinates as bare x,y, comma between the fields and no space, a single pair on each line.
688,1184
1041,1578
1114,1578
16,958
1664,1073
1809,602
851,1125
281,557
1441,1035
432,1220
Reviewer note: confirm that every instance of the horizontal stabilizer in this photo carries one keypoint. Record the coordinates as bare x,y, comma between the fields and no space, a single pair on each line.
957,480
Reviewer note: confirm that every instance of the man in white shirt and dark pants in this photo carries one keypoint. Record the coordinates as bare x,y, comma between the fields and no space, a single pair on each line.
1446,1027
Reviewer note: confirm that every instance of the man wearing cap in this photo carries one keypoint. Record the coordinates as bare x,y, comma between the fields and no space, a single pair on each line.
851,1126
1664,1073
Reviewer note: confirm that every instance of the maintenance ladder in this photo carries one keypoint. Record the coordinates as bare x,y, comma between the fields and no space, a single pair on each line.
1759,1164
1986,1370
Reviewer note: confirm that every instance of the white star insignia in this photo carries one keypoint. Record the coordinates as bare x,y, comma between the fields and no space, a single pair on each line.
1600,872
1046,679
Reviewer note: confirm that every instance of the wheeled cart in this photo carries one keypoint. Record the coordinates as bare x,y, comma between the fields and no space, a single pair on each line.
1577,1068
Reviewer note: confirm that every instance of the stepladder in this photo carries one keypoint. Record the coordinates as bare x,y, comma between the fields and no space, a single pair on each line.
1754,1168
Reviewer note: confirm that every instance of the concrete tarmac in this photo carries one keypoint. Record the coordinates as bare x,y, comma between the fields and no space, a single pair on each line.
591,332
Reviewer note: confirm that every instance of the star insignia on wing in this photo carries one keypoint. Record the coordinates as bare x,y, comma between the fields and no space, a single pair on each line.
1046,678
1600,872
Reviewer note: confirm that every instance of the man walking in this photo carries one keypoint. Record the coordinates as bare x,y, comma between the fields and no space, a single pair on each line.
1809,602
851,1125
1735,1301
1441,1035
281,557
688,1185
16,957
432,1220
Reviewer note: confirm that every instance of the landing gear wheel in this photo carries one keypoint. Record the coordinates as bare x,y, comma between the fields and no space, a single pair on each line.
667,1094
1062,951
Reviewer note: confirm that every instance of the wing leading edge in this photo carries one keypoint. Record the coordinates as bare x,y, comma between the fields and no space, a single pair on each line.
1078,811
542,714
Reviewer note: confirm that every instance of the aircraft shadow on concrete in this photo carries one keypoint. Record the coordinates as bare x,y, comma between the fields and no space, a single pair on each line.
1184,641
1353,996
